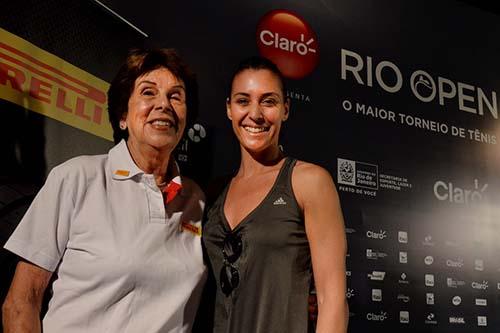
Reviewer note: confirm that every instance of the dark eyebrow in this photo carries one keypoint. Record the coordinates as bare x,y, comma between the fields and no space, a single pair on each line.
265,95
271,94
146,81
178,86
242,94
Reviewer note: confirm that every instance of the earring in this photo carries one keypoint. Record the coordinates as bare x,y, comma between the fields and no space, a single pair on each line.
123,125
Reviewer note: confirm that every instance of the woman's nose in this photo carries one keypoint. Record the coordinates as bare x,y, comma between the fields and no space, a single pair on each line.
255,113
163,103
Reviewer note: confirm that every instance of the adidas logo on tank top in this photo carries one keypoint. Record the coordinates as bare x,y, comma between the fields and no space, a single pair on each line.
279,201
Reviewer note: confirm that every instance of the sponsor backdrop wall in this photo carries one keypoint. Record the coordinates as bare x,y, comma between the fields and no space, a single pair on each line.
397,99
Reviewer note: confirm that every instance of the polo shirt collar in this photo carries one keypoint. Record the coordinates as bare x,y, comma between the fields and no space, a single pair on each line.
121,162
124,167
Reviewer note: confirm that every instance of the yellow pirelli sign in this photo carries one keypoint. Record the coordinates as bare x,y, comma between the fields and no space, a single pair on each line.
41,82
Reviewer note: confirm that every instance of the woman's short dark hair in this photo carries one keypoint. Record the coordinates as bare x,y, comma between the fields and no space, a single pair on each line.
257,63
138,63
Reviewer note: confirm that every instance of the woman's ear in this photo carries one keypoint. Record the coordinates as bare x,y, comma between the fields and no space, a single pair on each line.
287,109
228,108
123,122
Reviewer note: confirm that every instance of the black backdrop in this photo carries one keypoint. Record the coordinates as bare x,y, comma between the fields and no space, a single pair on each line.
418,186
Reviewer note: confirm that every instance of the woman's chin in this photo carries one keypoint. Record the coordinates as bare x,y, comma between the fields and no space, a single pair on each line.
258,147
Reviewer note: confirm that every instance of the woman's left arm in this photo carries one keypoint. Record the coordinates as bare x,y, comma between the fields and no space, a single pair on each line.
324,223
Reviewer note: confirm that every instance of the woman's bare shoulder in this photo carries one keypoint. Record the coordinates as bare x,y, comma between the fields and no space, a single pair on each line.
305,172
309,181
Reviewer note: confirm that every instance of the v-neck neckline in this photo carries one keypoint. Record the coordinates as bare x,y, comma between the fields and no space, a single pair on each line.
252,212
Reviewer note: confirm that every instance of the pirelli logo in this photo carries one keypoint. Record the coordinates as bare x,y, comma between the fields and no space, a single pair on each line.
195,229
41,82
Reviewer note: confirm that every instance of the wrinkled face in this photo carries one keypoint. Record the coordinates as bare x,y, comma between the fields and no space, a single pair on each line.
256,109
157,110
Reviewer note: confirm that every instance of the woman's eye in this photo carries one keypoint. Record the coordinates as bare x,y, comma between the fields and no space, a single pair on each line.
269,102
242,101
148,92
177,97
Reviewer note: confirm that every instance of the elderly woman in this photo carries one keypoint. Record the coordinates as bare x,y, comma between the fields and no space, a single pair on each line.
121,231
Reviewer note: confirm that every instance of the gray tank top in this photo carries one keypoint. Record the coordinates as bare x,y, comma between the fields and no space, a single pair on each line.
273,263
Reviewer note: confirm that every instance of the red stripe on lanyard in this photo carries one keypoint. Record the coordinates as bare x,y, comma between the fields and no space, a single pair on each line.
171,191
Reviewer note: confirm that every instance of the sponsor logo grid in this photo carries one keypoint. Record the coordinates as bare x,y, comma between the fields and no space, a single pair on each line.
441,275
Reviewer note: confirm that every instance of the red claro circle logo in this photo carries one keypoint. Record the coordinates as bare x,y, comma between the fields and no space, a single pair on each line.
287,40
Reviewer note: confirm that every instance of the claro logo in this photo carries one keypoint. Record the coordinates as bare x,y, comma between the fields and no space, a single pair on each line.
480,285
449,192
376,235
376,317
287,39
459,263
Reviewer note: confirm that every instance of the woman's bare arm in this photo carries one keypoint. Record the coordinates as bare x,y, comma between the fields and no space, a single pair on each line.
21,309
325,230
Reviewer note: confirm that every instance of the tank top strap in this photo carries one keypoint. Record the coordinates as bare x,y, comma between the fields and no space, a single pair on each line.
284,180
284,194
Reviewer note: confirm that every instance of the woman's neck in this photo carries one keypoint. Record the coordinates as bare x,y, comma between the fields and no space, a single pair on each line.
256,163
151,161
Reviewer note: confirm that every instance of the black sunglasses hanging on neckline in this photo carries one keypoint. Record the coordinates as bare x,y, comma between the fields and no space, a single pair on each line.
229,274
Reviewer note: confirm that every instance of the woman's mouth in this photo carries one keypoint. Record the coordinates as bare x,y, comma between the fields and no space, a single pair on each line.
256,129
163,124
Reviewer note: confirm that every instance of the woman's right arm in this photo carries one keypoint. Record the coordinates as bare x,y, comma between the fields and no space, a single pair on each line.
21,309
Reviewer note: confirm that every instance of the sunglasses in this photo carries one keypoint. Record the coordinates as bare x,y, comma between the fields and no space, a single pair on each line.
229,275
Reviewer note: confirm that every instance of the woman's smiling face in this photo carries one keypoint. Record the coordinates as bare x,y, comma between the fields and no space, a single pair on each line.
156,115
256,108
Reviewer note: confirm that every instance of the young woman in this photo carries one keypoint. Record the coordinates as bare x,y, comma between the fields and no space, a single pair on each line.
276,224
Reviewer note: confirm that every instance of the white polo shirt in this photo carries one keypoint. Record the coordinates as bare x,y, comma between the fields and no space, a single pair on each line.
125,263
